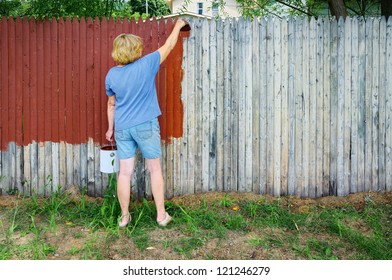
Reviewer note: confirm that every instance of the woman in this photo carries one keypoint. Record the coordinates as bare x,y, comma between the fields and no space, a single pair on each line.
132,115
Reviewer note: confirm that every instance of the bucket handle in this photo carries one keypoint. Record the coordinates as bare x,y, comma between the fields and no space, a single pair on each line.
112,154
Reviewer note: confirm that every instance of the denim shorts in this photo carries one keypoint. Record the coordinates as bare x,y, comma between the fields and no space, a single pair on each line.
145,136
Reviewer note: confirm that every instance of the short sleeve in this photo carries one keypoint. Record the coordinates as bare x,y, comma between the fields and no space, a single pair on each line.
153,59
109,91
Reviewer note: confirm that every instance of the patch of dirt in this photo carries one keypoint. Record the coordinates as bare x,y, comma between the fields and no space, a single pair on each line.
69,241
357,200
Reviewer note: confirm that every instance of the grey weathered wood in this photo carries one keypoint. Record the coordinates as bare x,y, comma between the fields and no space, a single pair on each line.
98,175
375,91
220,92
49,187
34,167
198,106
12,166
63,166
313,166
248,90
234,105
177,158
205,105
319,124
326,107
242,124
140,176
263,106
256,99
69,165
354,82
291,108
305,109
341,103
83,166
361,104
299,103
90,167
19,169
227,85
388,105
5,178
26,179
270,106
168,171
191,91
285,120
76,165
334,109
148,191
212,124
56,164
277,107
347,107
178,174
382,103
368,107
184,141
241,121
41,161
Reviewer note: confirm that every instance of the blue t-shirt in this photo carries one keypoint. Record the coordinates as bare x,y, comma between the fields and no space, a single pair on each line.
134,87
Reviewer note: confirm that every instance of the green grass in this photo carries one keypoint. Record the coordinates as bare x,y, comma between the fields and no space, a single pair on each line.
36,228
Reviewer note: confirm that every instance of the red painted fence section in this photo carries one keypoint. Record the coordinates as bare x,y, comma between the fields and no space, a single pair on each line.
52,78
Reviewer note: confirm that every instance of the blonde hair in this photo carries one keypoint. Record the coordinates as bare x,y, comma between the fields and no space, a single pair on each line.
127,48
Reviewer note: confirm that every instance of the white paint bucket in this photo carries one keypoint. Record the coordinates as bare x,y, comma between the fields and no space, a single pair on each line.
108,159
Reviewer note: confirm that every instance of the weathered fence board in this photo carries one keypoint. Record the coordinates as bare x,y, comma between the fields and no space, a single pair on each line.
285,107
382,109
361,105
319,100
227,79
234,92
255,99
326,76
299,103
388,106
220,139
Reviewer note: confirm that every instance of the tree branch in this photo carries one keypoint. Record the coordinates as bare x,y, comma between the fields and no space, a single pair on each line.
295,8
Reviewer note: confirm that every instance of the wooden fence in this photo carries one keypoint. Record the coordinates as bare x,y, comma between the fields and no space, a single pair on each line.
282,107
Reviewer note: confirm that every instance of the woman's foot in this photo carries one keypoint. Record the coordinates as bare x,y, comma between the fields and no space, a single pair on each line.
165,221
124,220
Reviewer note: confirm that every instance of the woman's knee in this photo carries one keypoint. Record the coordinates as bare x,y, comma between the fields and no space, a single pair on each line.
154,165
125,175
126,167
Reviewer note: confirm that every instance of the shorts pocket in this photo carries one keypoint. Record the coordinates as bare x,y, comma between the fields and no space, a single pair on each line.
144,131
119,135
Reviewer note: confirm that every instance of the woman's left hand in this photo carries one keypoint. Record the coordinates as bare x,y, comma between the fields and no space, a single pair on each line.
109,135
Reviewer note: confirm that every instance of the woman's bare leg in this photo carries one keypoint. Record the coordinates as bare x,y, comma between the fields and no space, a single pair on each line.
157,186
124,185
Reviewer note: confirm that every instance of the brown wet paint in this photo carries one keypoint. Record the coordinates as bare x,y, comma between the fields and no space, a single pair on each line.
52,78
109,148
174,113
